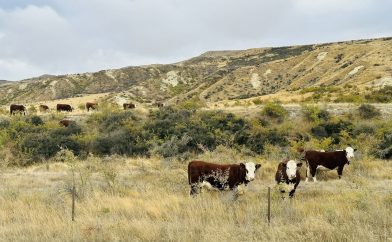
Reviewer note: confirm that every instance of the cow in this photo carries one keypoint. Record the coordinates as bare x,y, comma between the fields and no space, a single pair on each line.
91,105
43,108
159,105
66,122
17,108
64,107
221,177
316,160
128,106
288,173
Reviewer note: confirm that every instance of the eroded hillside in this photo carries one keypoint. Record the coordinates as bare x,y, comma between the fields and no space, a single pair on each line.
225,75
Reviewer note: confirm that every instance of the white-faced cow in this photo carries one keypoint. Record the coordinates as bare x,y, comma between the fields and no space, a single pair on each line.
222,177
288,173
316,160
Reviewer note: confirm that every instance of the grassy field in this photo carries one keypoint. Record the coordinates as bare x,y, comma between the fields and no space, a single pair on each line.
147,199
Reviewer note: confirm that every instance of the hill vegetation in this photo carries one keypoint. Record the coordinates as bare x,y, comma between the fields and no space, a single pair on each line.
343,72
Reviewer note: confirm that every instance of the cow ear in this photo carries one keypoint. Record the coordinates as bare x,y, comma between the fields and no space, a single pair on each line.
355,149
242,165
258,166
299,164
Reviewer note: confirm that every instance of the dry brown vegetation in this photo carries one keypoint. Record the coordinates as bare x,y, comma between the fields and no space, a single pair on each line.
140,199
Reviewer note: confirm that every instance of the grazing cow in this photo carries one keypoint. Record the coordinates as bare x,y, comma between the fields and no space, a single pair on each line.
221,177
159,105
43,108
64,107
316,160
288,173
91,105
128,106
17,108
66,122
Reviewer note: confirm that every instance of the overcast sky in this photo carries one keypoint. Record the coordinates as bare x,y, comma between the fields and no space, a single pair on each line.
71,36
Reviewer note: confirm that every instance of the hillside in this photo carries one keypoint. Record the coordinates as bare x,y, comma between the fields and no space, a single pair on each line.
353,66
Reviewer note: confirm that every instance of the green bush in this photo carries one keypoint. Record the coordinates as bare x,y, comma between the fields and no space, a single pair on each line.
275,111
384,149
368,111
383,95
36,120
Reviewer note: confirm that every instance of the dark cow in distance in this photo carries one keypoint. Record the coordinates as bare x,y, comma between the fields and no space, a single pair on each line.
129,106
43,108
159,105
288,173
221,177
14,108
64,107
316,160
66,122
91,105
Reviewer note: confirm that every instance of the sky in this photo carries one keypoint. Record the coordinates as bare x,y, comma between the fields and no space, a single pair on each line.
74,36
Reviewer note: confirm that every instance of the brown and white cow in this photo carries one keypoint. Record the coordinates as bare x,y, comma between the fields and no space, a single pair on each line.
91,105
316,160
288,173
128,106
14,108
64,107
43,108
66,122
222,177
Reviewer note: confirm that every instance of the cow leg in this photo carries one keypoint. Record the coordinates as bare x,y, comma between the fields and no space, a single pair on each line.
313,173
194,189
291,194
307,173
340,171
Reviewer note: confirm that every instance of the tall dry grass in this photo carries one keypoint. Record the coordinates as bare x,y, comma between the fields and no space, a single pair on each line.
122,199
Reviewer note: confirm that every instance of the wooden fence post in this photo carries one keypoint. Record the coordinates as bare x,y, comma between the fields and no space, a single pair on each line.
269,206
73,202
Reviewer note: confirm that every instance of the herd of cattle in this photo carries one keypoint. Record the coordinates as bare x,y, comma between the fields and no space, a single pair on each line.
232,176
21,109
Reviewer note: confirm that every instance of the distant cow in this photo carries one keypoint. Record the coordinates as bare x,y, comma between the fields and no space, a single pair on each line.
221,177
128,106
43,108
159,105
64,107
288,173
17,108
66,122
316,160
91,105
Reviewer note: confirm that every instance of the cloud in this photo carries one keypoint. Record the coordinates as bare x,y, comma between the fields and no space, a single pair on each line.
56,36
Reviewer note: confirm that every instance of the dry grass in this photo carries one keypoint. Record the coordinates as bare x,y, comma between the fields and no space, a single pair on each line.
147,200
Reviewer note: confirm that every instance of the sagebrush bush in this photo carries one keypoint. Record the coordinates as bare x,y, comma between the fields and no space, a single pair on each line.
368,111
275,111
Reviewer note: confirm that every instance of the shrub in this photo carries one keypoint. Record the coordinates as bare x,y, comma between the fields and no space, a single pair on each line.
383,95
367,111
314,114
32,109
36,120
275,111
173,147
384,149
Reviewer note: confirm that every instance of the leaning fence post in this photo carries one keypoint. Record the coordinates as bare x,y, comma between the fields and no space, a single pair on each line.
73,202
269,206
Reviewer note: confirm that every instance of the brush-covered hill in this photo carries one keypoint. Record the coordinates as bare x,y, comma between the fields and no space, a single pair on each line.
225,75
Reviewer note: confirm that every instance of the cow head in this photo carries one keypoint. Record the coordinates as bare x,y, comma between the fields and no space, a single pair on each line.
291,168
250,169
349,153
